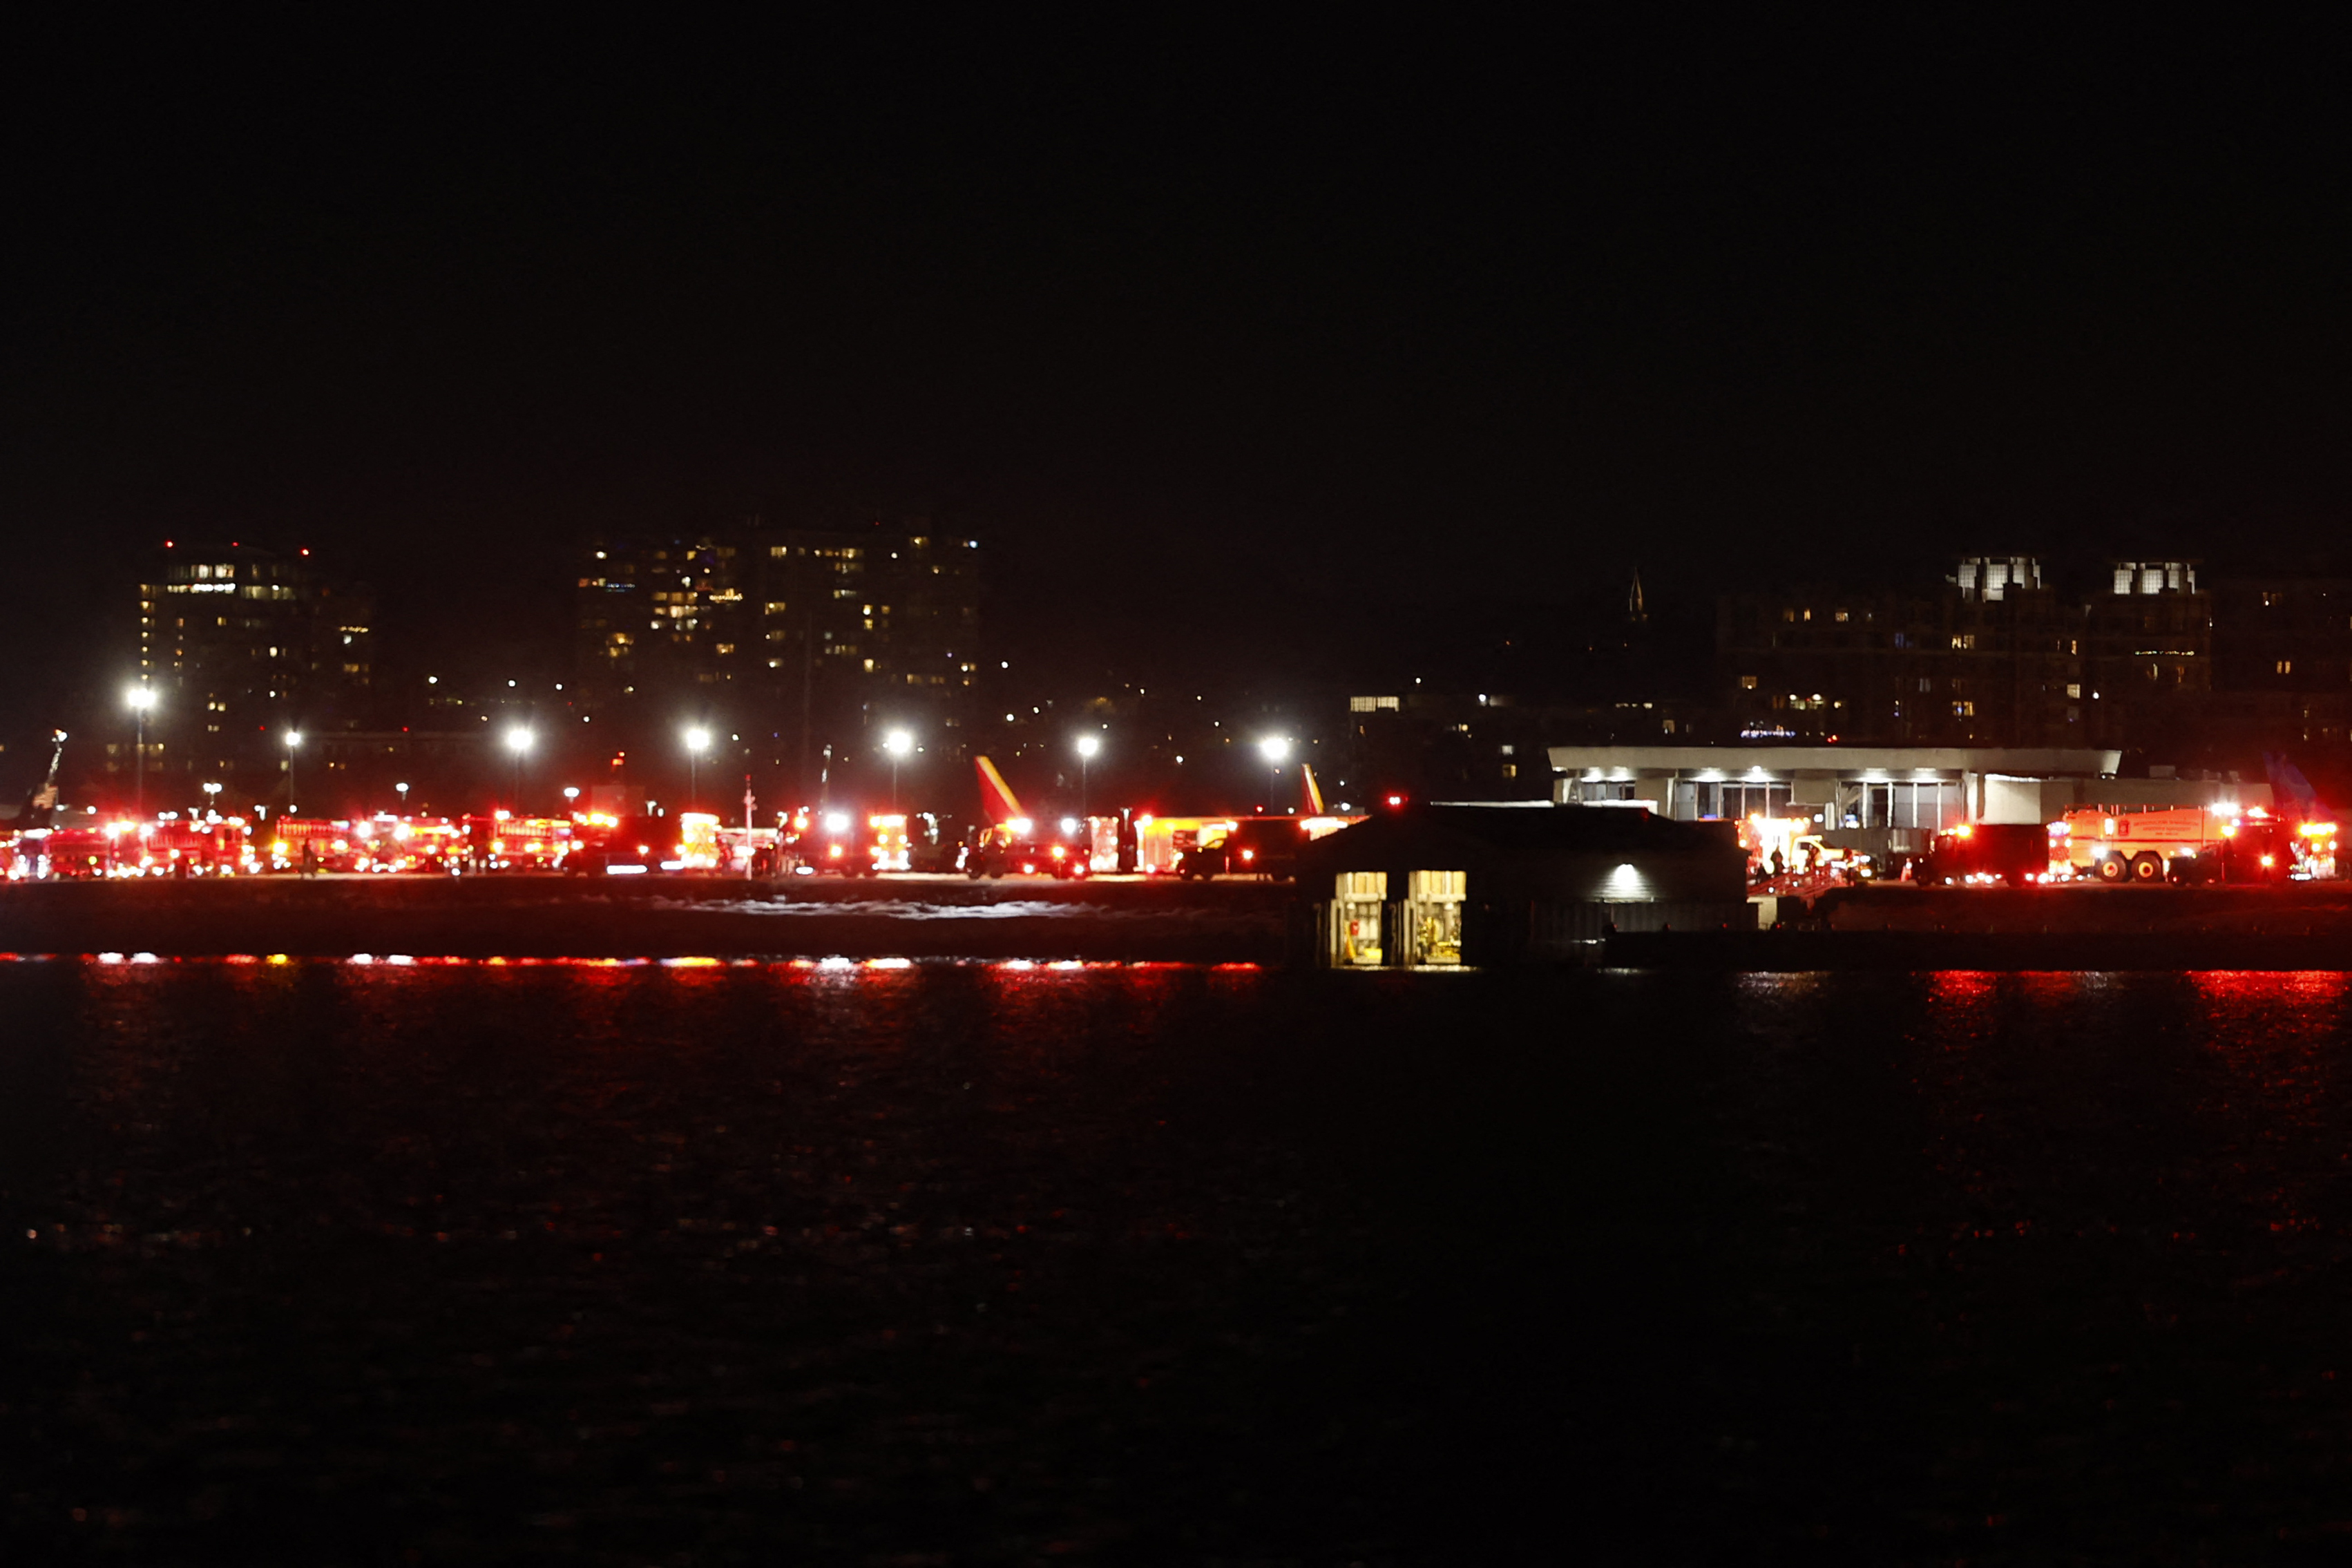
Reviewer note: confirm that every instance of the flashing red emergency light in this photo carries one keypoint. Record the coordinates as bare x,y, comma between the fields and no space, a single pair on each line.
1396,800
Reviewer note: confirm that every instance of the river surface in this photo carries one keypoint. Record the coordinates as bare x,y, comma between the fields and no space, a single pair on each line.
961,1263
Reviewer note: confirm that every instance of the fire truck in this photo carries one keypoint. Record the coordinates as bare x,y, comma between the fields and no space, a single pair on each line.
634,846
1015,849
505,842
1982,853
2191,844
192,848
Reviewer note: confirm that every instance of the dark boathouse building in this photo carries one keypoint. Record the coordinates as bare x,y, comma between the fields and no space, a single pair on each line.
1452,886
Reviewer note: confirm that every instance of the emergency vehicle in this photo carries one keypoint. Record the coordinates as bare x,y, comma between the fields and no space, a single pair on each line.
835,844
72,853
634,846
2189,843
1982,853
204,848
329,844
1010,844
505,842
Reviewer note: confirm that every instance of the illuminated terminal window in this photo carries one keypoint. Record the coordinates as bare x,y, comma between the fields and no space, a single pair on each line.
1433,917
1372,704
1356,918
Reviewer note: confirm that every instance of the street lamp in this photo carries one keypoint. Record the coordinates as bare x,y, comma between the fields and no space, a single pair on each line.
518,741
697,741
1087,746
1276,749
293,739
570,797
403,798
140,698
211,798
899,744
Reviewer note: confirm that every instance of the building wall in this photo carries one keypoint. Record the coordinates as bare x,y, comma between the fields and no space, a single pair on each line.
239,645
1995,657
869,612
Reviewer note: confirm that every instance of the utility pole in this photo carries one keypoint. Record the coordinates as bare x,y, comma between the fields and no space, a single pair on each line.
808,674
142,699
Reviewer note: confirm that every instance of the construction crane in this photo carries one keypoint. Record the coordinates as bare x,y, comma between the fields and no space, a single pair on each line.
41,805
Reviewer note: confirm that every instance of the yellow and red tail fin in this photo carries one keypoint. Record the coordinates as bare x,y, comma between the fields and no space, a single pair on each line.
996,797
1310,792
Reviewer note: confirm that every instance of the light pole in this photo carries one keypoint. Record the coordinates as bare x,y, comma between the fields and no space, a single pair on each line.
570,797
1087,746
212,799
140,698
899,744
293,739
403,798
697,740
1276,749
519,741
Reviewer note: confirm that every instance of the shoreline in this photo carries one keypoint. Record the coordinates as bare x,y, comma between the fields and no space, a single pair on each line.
553,917
527,917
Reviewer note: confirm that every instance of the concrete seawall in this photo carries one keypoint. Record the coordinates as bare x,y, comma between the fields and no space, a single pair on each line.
2294,926
529,916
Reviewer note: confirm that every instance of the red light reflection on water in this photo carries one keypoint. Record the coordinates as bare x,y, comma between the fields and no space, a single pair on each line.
1961,987
2230,989
837,965
2279,1038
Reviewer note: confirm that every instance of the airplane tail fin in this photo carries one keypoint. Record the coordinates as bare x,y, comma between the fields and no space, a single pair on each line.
996,797
1310,792
2289,786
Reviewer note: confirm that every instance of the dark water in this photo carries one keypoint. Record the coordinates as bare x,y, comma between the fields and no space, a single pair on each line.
974,1264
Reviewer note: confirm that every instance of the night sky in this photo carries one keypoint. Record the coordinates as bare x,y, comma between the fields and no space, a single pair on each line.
1177,313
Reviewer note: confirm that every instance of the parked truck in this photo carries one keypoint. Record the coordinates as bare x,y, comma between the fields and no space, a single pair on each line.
2191,844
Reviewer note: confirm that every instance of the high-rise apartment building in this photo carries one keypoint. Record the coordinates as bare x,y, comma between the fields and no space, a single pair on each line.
809,637
1998,658
240,644
897,609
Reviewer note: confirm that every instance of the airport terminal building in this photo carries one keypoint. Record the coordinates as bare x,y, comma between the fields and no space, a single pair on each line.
1875,800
